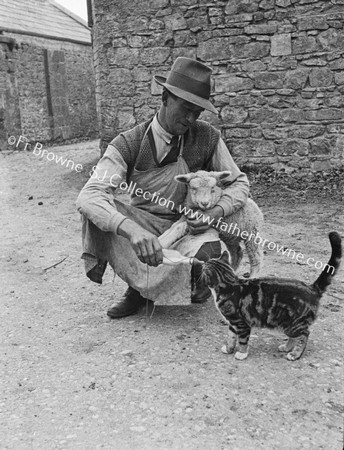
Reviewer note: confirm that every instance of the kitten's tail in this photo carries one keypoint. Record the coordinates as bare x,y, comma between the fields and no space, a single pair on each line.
331,267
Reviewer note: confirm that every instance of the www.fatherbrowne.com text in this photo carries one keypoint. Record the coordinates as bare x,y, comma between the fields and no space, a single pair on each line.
233,228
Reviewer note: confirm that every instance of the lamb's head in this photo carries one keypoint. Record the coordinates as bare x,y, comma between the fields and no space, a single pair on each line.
203,189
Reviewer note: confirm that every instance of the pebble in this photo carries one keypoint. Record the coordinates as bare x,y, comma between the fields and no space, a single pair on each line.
314,365
336,362
138,429
135,391
143,405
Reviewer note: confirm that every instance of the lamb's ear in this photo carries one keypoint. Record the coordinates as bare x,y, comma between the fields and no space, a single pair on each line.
222,175
184,178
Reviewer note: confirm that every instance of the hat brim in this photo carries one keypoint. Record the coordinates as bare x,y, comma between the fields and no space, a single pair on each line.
192,98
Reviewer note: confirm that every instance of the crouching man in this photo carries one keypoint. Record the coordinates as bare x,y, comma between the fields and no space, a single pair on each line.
146,159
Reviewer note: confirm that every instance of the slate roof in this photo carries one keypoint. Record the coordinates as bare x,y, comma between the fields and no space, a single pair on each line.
42,18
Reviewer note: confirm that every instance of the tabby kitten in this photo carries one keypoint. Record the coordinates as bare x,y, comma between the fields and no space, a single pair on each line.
286,304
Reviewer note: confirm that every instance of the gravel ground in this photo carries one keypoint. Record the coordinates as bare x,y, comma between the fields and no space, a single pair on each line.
73,379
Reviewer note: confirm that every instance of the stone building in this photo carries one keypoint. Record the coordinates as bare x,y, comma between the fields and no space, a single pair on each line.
47,82
278,71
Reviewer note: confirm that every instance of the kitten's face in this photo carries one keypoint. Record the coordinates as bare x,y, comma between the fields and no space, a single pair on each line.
214,269
208,276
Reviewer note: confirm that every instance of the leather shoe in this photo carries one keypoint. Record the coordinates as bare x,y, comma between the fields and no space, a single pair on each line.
131,303
200,295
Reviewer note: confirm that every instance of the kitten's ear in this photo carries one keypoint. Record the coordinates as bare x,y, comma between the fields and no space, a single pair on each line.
184,178
225,256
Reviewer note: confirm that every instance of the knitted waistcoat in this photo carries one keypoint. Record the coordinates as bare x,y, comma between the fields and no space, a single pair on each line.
200,142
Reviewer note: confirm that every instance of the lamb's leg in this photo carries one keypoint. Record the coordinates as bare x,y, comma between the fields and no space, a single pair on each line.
234,248
255,256
236,253
175,232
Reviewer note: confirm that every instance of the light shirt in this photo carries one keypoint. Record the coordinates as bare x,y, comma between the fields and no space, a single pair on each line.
162,139
95,200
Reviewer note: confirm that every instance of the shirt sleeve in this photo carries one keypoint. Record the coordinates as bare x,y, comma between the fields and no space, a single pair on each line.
236,190
96,199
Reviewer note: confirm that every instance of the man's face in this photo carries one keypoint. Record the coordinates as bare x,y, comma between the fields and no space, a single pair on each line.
180,115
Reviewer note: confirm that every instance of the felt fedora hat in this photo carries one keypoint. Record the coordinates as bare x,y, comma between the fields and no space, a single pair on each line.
189,80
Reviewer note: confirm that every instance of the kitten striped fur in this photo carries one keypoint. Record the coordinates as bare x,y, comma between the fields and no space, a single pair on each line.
286,304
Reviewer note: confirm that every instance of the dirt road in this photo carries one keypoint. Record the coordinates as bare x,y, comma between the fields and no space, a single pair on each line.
73,379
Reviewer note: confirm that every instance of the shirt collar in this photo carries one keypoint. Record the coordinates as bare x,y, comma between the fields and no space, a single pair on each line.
160,131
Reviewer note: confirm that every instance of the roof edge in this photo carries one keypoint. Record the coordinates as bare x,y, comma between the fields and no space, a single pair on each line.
45,36
69,13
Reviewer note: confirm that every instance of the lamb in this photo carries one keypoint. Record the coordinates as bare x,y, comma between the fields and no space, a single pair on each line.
204,191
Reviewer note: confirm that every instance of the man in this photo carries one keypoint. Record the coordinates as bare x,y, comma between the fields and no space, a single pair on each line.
148,157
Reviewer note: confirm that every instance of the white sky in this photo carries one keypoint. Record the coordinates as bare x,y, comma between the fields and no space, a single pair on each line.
78,7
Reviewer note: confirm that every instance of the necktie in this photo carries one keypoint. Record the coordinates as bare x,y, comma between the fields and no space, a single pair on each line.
172,155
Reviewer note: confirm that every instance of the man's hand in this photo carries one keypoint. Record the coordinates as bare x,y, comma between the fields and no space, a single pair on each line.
206,220
145,244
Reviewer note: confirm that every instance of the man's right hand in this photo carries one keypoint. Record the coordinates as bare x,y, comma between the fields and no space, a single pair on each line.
145,244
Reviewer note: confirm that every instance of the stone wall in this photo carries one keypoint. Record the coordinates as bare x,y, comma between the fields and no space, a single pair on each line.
9,99
278,71
47,90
